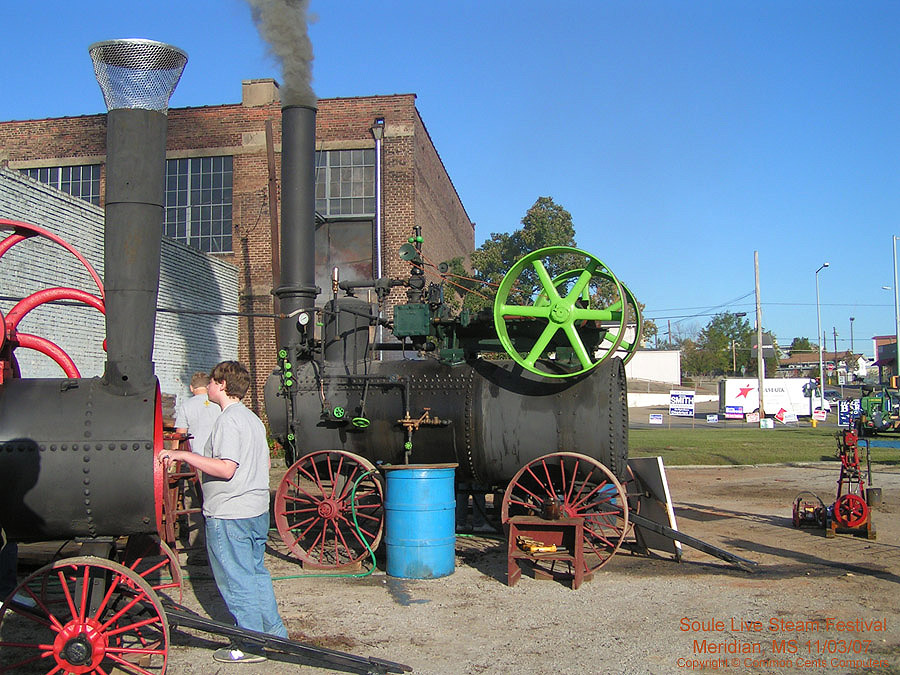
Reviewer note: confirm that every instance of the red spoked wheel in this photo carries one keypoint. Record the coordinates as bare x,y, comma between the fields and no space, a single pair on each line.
574,486
90,616
155,562
851,510
313,510
12,338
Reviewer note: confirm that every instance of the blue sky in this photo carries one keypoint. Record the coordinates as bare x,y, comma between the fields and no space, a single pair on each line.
681,135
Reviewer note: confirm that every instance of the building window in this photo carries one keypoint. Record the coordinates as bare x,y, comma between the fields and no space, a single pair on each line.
198,202
345,182
79,181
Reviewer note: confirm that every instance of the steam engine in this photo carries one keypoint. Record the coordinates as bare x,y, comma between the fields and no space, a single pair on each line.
430,396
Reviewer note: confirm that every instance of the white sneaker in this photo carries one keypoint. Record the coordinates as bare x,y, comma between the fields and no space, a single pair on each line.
226,655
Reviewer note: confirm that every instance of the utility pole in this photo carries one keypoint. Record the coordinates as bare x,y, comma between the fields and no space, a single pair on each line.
760,361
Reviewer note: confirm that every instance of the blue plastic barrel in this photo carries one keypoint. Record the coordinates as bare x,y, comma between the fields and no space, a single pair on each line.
420,520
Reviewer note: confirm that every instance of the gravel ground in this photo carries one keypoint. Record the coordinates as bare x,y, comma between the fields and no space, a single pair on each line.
639,614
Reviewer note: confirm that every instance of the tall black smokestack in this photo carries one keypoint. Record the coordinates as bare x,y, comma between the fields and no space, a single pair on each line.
298,210
137,78
283,26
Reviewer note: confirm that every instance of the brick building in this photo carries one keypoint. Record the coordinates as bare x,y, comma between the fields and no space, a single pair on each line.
222,162
184,341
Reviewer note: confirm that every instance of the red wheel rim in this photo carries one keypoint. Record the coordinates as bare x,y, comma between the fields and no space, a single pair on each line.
91,616
155,562
22,232
851,510
313,510
584,488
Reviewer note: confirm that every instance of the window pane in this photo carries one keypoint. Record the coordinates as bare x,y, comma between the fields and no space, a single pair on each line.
202,188
352,175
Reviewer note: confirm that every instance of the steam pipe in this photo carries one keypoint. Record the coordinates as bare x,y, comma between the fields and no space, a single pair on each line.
298,208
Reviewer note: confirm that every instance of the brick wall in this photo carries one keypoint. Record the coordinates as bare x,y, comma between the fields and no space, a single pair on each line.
416,188
189,281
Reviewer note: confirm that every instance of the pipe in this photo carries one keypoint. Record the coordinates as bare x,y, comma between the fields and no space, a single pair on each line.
135,194
298,207
137,79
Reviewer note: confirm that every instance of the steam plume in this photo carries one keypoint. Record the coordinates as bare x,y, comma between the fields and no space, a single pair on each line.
283,25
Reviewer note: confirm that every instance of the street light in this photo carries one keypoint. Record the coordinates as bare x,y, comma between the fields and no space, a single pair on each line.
819,322
851,333
896,309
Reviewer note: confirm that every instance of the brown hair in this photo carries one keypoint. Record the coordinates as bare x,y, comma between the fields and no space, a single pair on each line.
199,379
235,376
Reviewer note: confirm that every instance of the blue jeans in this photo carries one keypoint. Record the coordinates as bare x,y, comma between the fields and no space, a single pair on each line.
236,548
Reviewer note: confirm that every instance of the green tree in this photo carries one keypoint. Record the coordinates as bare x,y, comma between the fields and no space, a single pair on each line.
802,345
546,223
721,347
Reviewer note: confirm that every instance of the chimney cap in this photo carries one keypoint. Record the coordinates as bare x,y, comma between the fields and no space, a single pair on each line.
137,73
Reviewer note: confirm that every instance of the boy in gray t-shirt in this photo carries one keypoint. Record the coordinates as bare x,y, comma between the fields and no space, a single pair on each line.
235,468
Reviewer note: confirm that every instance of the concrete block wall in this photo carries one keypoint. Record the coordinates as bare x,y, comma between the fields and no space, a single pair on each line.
190,282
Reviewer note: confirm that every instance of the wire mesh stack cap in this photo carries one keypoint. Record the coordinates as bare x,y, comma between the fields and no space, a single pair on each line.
137,73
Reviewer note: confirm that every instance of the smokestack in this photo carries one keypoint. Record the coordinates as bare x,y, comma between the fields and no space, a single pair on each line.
283,26
298,211
137,78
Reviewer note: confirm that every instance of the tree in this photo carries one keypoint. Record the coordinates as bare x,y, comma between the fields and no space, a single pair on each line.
722,346
546,223
802,345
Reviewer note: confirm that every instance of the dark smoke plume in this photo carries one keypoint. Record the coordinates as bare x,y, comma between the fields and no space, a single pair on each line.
283,25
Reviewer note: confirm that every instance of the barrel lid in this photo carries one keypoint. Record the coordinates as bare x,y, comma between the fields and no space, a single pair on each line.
448,465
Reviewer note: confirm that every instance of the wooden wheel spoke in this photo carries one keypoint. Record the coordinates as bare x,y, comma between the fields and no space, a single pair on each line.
315,527
128,665
590,492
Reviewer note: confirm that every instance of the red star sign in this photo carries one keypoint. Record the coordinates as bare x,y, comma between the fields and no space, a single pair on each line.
744,391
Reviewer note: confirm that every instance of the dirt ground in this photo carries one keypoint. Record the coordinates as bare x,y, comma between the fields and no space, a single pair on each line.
815,605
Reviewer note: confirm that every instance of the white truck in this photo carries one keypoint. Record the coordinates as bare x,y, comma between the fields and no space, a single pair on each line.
783,397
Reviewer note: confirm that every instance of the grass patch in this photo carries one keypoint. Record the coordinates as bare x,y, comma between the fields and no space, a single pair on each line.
744,446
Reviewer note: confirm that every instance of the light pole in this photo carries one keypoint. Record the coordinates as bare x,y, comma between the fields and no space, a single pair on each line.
819,332
852,318
896,309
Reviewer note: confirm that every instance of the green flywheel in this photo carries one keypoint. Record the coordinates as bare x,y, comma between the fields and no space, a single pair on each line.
540,313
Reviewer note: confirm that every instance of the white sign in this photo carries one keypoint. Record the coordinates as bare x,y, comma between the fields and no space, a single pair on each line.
820,415
752,418
712,419
656,418
681,403
734,412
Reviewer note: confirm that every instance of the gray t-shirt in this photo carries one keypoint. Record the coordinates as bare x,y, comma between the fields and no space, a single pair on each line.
240,436
197,415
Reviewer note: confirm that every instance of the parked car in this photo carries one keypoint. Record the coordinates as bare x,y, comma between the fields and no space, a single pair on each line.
833,395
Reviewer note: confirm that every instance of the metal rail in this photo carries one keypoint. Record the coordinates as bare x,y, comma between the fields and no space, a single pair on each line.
693,542
181,616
